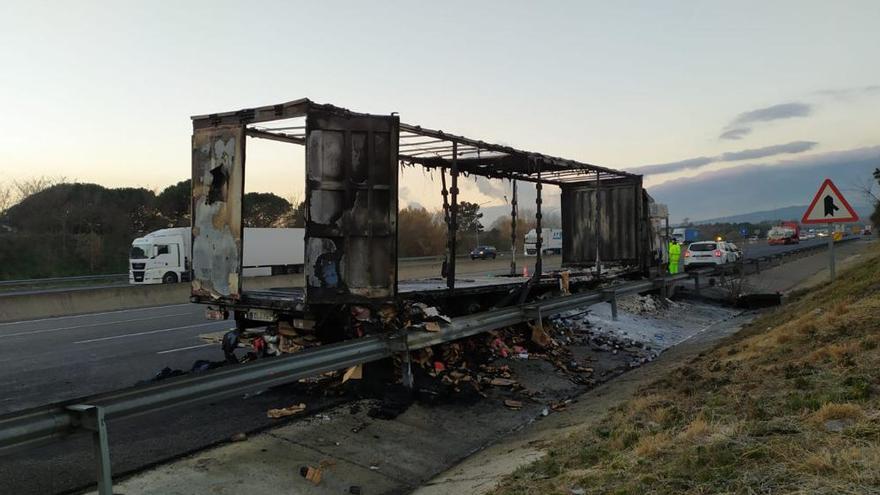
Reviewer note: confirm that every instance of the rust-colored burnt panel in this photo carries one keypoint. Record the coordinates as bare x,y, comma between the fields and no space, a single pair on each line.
217,189
351,207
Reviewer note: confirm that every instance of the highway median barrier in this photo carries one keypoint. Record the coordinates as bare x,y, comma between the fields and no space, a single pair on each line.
54,303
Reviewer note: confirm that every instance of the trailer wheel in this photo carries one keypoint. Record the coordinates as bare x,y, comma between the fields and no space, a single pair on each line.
169,278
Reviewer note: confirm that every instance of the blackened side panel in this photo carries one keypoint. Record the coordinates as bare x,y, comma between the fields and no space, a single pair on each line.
351,207
218,155
619,229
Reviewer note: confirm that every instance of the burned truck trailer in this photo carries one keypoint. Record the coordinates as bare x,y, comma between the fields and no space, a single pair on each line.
351,205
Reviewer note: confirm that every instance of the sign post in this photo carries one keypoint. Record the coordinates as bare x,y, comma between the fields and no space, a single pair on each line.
833,208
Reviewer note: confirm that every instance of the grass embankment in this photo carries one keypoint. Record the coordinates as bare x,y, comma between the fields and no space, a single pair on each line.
790,404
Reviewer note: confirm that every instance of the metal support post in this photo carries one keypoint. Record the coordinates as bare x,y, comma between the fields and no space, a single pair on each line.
92,418
444,270
697,284
406,372
513,230
831,255
597,232
453,218
611,297
539,265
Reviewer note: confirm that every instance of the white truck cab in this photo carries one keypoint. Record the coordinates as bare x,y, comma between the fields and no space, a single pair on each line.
163,256
160,257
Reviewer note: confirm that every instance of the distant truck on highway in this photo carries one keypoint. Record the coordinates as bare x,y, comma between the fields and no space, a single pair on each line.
551,242
163,256
785,233
685,235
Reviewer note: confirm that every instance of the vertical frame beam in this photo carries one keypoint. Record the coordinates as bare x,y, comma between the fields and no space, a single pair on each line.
598,230
513,213
444,269
539,260
453,219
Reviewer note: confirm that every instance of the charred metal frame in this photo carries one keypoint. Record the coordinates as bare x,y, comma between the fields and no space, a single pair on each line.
415,145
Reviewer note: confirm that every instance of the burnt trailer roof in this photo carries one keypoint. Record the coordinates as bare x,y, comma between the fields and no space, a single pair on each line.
423,146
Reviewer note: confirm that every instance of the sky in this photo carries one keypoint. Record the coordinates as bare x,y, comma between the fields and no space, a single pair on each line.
102,91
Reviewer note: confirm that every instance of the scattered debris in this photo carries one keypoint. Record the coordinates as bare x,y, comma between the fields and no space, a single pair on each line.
502,382
353,373
646,305
758,301
310,473
286,411
432,326
238,437
516,405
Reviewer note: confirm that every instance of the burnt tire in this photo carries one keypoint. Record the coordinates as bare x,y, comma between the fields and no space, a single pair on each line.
169,278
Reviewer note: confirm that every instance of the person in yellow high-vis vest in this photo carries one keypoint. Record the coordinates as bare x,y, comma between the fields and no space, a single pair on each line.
674,256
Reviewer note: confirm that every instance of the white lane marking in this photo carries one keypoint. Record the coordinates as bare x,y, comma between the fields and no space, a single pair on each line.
184,348
101,339
88,325
94,314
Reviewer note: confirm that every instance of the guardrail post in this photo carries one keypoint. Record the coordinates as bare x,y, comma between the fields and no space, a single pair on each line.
92,418
610,295
660,283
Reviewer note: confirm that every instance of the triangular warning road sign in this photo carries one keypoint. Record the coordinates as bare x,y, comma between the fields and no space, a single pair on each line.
829,206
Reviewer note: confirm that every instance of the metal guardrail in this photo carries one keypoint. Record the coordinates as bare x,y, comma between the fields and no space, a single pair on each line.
755,262
43,425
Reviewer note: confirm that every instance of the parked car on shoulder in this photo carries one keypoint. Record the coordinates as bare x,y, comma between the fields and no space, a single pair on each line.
484,253
709,253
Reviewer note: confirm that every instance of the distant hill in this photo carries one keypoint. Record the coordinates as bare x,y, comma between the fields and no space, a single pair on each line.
786,213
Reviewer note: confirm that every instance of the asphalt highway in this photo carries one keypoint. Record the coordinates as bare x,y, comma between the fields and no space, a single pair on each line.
55,359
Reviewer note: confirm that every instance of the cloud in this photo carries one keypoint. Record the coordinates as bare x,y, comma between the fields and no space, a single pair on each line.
730,156
665,168
777,149
736,133
775,112
742,124
849,93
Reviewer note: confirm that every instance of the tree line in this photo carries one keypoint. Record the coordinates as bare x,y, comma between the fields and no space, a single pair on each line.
52,227
55,228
